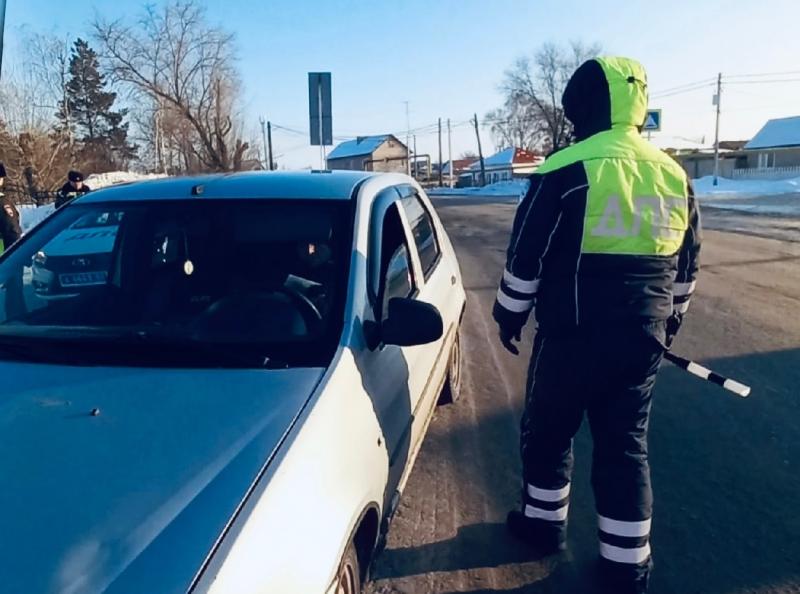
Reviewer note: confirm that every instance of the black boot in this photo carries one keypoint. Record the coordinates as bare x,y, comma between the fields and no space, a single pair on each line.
544,538
616,578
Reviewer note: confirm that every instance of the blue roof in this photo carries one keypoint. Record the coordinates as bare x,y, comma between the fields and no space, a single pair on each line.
335,185
777,133
363,145
504,157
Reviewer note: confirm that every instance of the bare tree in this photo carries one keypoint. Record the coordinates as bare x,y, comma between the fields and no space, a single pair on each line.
36,153
531,116
186,68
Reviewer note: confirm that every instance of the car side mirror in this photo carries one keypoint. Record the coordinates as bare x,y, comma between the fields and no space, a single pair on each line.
411,323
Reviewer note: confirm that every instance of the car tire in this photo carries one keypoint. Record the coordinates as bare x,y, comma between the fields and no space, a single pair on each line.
452,383
348,578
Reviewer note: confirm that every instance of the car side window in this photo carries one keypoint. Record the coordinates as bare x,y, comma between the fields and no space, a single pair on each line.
423,230
397,279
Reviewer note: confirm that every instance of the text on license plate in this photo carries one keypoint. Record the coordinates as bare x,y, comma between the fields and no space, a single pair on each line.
83,279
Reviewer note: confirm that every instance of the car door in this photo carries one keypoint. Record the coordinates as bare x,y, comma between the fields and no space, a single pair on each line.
385,369
436,282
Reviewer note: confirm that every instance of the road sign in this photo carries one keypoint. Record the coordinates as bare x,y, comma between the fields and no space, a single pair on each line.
653,121
319,108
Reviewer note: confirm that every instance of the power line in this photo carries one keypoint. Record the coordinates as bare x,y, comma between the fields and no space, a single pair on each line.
665,94
699,83
763,82
785,73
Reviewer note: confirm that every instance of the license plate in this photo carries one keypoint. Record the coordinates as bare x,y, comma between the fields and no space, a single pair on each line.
83,279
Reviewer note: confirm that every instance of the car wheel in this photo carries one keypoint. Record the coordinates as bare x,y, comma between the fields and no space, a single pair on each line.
348,580
452,384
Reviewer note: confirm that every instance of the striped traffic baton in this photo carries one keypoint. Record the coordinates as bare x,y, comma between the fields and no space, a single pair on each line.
696,369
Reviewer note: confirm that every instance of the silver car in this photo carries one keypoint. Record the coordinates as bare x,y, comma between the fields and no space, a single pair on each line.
231,396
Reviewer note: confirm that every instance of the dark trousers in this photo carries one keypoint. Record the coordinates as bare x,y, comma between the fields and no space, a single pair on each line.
609,375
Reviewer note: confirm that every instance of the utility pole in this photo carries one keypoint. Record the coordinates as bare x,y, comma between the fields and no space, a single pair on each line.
408,140
480,151
269,146
263,123
2,31
440,152
717,100
416,172
450,150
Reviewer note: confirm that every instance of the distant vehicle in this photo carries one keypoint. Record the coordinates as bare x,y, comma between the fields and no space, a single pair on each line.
77,259
220,384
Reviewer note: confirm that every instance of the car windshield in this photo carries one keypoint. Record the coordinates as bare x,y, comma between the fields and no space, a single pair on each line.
250,283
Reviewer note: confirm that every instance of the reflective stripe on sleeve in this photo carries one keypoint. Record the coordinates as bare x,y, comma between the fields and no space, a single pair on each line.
680,289
521,286
681,308
515,305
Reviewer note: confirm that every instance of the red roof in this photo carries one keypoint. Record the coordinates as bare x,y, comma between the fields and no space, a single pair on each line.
526,156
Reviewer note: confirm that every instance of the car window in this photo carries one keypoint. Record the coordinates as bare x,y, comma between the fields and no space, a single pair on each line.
422,229
397,278
261,277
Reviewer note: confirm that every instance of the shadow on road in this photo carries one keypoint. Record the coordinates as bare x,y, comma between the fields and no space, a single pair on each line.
726,479
467,550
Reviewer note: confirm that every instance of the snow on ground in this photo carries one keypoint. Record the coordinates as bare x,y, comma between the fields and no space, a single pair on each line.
765,197
103,180
744,187
513,189
30,216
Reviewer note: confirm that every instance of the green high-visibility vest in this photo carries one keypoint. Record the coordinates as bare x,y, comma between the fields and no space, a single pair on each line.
637,201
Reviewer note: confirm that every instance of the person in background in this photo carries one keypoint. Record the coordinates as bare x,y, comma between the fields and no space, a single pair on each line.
74,187
10,230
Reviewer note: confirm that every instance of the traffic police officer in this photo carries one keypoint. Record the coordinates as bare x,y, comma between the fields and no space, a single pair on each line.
74,187
9,216
605,246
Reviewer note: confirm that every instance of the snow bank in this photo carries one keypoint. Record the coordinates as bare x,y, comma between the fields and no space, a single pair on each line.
103,180
765,197
745,187
514,189
30,216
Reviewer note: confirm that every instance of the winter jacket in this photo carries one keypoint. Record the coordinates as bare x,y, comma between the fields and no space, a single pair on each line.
10,230
608,232
68,193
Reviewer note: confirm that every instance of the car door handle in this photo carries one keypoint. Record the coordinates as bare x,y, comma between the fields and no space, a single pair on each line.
453,280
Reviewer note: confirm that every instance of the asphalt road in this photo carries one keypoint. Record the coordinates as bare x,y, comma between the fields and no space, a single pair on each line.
726,471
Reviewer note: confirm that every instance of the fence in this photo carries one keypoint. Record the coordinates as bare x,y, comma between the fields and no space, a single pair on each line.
23,198
771,173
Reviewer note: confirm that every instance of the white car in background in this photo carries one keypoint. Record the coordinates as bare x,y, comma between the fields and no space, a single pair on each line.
232,400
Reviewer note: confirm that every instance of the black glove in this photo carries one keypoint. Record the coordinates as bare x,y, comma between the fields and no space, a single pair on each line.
673,325
507,335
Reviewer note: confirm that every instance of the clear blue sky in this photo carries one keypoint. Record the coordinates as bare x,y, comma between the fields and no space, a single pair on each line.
446,58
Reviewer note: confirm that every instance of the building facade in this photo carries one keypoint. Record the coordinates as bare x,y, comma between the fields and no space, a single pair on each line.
383,153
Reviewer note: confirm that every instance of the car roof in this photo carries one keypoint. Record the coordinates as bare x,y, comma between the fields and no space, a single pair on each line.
327,185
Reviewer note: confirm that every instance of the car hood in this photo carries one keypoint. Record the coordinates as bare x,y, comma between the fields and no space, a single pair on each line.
132,498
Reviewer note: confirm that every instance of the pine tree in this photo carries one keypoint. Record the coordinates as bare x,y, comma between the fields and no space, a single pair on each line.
99,130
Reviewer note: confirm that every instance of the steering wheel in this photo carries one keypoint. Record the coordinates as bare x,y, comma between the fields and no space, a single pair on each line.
310,313
216,312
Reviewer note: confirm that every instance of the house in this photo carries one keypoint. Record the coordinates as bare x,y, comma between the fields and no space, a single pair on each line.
700,162
774,152
459,166
503,166
370,153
